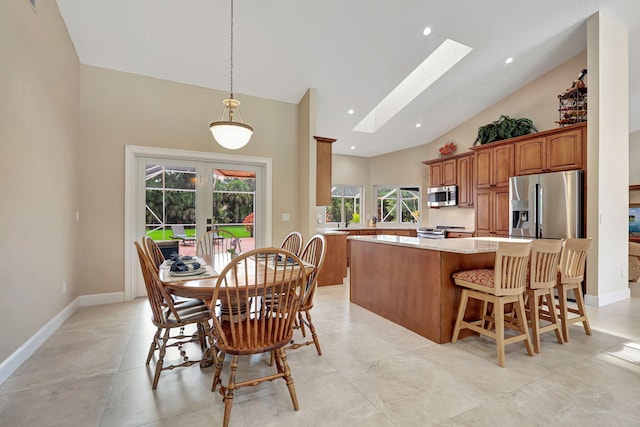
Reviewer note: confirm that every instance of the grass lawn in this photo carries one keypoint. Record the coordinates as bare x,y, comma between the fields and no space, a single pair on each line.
237,230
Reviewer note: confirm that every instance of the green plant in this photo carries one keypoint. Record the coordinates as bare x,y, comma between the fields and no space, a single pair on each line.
355,218
504,128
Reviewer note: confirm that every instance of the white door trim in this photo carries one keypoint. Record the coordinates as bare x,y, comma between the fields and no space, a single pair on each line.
132,152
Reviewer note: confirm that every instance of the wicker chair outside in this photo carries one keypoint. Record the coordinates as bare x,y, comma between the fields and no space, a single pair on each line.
218,242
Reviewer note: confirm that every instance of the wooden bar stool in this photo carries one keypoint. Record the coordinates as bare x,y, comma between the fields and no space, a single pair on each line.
539,299
504,284
572,263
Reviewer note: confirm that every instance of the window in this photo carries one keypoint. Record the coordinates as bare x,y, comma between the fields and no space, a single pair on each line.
346,204
397,204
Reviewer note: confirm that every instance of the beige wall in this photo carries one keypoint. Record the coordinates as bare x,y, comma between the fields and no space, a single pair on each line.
119,109
39,111
306,164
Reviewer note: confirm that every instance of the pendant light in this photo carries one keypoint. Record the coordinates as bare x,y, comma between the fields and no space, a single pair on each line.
230,134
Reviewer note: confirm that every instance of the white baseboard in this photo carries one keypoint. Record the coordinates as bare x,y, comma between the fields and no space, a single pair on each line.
13,362
602,300
99,299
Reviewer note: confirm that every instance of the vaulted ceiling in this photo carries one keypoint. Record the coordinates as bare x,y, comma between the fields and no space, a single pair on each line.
353,52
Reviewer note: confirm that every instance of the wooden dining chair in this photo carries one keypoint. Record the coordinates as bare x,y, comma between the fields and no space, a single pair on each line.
502,285
292,242
539,298
313,253
244,325
572,265
218,242
153,251
167,316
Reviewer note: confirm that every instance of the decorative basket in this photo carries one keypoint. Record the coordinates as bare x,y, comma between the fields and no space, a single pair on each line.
447,149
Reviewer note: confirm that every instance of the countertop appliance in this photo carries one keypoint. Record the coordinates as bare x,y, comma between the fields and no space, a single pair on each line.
437,232
548,205
442,196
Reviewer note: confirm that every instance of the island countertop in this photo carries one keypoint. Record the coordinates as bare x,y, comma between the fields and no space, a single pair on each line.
471,245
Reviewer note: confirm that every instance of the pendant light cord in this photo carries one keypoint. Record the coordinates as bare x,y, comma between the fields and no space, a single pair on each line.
231,58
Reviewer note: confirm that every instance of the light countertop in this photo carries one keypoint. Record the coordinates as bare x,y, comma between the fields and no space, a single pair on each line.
362,227
328,232
470,245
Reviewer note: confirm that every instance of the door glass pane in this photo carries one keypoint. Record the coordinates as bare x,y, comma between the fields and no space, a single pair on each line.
234,204
170,203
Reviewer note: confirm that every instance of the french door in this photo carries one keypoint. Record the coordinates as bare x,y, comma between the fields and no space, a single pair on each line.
174,194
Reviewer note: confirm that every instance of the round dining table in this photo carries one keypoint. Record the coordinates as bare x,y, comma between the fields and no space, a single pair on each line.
201,286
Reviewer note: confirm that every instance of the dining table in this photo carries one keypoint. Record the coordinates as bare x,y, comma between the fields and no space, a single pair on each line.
201,285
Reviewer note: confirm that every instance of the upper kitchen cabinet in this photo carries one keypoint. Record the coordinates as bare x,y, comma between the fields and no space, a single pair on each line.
442,172
551,151
493,165
323,170
466,185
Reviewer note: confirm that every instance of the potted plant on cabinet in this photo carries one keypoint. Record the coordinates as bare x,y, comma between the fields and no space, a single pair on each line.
504,128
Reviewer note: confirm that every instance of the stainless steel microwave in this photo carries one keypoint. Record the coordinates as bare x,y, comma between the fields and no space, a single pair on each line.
442,196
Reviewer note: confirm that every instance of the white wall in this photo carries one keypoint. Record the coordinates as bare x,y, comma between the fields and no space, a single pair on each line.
608,142
39,113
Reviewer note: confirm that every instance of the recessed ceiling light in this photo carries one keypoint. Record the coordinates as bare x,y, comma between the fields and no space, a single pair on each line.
448,54
350,111
353,147
508,60
427,31
418,125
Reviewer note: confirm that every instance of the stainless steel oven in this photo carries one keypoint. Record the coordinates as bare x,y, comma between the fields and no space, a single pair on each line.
437,232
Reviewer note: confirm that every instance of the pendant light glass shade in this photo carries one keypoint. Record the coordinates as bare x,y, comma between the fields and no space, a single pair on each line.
230,134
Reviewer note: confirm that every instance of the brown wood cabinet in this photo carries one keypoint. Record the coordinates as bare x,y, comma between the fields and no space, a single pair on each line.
323,170
492,212
550,152
334,269
459,234
494,165
465,181
378,231
443,172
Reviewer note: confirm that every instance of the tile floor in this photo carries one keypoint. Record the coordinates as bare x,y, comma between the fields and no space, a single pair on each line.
372,372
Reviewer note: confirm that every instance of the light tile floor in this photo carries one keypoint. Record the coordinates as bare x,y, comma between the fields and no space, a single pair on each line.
372,372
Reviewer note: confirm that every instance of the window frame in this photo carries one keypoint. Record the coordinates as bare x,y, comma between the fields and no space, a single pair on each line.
342,215
399,202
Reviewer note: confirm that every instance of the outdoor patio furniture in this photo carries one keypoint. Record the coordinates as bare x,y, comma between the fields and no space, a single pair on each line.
180,234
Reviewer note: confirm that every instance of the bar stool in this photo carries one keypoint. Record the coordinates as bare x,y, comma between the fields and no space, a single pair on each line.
572,263
504,284
539,299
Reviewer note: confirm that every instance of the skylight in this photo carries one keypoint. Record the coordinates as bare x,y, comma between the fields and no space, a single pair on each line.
448,54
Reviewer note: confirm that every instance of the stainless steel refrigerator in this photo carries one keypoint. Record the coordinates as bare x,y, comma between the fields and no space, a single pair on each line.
548,205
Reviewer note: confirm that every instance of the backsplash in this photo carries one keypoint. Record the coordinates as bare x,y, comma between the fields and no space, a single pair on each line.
461,217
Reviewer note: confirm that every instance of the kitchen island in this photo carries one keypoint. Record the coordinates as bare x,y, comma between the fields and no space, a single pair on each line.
408,279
